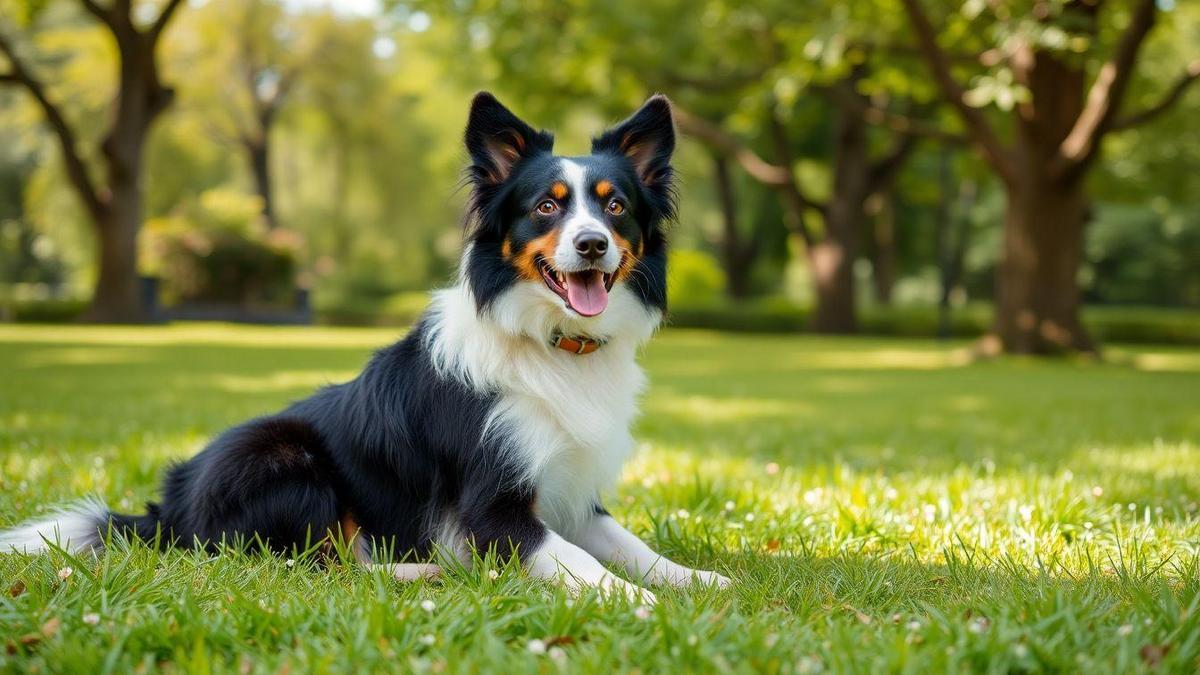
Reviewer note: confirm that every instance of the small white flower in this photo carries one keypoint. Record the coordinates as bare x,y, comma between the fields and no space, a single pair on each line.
91,618
493,574
290,562
428,640
557,654
729,505
1097,491
749,517
693,640
642,612
772,469
809,664
682,514
65,572
978,625
536,646
914,625
428,605
1124,630
1020,651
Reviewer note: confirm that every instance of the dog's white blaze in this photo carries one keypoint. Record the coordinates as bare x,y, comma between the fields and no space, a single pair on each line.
568,416
74,528
581,219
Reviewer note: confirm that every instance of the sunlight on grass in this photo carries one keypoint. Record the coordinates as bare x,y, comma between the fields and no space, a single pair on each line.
882,505
280,381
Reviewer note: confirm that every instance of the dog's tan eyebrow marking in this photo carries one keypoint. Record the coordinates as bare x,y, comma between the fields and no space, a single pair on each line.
558,190
604,188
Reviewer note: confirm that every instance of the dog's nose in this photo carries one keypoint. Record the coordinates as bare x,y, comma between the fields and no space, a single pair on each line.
591,245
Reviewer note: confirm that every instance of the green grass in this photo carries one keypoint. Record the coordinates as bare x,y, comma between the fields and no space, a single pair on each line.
882,505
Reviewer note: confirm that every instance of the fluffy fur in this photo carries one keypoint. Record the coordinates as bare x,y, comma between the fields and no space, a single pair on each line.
475,431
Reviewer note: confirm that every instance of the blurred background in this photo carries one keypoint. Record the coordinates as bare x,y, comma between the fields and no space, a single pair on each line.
1027,170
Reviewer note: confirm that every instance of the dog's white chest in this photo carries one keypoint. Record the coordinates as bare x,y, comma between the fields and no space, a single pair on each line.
562,418
571,428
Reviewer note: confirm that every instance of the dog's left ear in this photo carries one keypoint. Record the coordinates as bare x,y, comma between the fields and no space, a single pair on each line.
647,139
498,140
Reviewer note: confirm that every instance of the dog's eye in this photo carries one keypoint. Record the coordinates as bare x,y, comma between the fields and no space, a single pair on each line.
615,207
547,207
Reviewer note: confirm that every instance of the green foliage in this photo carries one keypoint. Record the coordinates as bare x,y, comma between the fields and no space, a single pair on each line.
366,143
883,506
694,277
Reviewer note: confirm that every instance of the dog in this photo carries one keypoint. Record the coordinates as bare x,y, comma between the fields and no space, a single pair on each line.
498,422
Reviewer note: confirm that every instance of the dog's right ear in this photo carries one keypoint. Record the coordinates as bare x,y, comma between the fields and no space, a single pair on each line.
497,140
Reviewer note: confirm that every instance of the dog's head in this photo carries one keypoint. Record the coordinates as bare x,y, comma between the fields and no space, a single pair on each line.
571,237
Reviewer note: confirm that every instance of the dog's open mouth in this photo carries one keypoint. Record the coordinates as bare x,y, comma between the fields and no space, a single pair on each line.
586,292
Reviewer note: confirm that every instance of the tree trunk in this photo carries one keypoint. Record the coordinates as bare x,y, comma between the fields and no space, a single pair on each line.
1037,286
831,260
141,98
737,256
1038,297
117,298
883,262
258,152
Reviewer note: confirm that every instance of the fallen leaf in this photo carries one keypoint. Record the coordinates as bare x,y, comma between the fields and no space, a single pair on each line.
862,617
17,588
1152,655
773,545
560,640
50,628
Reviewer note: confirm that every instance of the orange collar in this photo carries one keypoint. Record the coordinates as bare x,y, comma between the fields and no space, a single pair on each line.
577,344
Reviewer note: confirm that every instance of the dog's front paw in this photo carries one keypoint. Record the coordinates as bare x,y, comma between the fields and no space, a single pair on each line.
611,585
711,579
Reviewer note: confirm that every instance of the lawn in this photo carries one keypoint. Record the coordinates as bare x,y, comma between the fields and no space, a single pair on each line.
882,505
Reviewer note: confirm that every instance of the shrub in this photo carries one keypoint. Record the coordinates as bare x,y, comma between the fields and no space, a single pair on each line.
694,278
218,251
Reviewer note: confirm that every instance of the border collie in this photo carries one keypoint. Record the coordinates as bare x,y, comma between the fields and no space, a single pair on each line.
498,421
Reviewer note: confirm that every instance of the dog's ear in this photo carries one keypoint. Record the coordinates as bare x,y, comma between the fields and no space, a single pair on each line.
647,139
497,140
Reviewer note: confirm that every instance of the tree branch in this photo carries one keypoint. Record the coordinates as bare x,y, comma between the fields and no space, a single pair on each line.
976,122
1190,75
791,191
716,82
1105,96
713,135
77,171
888,119
160,24
104,15
884,170
775,176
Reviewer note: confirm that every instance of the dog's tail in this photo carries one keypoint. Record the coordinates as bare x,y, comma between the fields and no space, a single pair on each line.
77,527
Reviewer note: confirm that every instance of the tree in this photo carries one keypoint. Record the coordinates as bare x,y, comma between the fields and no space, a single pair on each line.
114,206
856,178
1047,49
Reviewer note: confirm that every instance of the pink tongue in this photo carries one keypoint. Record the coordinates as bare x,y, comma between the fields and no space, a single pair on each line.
586,293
